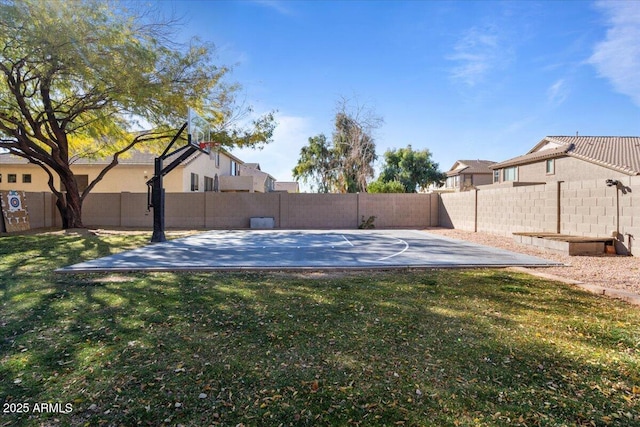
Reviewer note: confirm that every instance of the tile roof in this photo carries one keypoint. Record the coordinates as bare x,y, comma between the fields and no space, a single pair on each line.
470,166
134,157
620,153
532,157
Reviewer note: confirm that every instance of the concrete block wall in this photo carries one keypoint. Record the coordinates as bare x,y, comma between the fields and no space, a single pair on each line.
41,209
116,210
504,211
208,210
134,211
319,211
185,210
103,209
235,210
581,208
591,208
399,210
457,210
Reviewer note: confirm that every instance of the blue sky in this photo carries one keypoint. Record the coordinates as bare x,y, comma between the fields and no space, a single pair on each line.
467,80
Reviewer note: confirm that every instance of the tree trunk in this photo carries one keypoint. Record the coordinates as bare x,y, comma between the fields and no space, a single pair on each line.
69,204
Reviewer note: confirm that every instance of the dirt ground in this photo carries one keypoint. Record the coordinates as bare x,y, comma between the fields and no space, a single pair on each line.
606,271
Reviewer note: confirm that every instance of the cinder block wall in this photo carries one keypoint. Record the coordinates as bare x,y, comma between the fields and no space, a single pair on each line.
590,208
399,210
457,210
529,208
321,211
207,210
581,208
103,209
235,210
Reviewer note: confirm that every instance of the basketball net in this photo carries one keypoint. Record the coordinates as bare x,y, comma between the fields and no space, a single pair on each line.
210,145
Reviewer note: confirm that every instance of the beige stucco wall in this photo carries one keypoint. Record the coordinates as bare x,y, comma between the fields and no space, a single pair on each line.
124,177
475,179
237,183
130,178
566,169
482,179
205,166
39,178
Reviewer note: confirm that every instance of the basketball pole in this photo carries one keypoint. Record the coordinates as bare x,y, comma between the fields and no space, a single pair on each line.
156,198
155,188
157,201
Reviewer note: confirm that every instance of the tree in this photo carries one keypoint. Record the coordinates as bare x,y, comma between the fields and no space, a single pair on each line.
79,77
346,164
316,164
355,150
378,186
411,168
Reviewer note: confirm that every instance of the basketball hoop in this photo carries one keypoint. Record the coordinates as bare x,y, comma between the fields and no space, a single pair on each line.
209,146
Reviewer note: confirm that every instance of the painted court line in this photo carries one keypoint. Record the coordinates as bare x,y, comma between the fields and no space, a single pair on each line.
348,241
406,246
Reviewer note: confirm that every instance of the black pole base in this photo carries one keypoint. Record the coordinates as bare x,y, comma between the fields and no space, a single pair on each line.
158,236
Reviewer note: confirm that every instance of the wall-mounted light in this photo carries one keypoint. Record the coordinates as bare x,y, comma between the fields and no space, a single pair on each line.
612,183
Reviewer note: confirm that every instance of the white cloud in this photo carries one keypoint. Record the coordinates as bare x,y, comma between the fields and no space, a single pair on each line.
617,57
279,6
557,93
478,52
280,157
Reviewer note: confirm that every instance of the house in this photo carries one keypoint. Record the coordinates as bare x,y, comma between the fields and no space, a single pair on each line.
288,187
572,158
216,171
465,175
262,181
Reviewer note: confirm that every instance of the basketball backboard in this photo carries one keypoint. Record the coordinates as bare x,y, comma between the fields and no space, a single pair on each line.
199,131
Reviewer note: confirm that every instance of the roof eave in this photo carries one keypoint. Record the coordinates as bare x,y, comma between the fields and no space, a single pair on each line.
530,158
622,169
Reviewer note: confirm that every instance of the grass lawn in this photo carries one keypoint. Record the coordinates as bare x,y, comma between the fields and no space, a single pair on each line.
420,348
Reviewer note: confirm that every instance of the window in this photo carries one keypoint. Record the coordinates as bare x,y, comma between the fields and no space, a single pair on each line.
82,181
194,181
12,177
551,166
0,177
496,175
234,171
510,174
449,183
26,178
208,183
216,155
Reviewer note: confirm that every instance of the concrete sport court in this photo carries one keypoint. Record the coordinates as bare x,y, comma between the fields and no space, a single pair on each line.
307,249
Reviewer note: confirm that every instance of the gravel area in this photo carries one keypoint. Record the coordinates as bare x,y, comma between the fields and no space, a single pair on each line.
607,271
